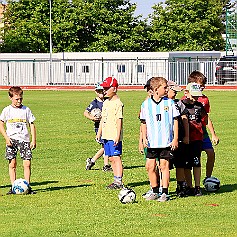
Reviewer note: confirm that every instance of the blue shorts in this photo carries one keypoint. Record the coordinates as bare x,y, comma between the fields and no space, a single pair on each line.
206,144
111,150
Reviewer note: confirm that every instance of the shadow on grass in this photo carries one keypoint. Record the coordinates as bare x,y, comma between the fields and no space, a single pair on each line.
33,184
226,188
133,167
136,184
50,189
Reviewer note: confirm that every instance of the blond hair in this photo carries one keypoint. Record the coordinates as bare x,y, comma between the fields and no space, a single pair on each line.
156,82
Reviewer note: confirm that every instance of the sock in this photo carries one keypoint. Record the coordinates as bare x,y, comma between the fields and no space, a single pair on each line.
165,190
155,190
117,179
92,160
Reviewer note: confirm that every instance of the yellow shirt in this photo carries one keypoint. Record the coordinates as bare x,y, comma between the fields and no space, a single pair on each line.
112,111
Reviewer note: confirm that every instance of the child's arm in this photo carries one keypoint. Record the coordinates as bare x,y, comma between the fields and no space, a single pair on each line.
99,133
33,136
144,133
4,134
140,145
186,129
119,128
210,126
88,115
174,143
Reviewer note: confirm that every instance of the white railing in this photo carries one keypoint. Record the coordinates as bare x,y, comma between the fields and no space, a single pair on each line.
88,72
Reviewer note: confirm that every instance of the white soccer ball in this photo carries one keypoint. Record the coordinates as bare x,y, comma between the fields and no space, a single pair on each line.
20,186
96,112
127,195
211,184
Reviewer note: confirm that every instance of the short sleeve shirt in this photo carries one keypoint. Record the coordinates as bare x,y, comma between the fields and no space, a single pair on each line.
17,122
93,105
159,118
112,111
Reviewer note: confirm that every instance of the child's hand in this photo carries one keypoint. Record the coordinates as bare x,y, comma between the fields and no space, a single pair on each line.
32,145
141,148
215,140
8,142
174,145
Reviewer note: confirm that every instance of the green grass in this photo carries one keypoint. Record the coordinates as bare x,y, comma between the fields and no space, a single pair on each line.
71,201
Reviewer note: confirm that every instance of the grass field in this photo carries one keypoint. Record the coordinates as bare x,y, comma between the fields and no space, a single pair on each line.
71,201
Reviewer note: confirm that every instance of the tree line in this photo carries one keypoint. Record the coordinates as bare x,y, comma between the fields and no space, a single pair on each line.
110,25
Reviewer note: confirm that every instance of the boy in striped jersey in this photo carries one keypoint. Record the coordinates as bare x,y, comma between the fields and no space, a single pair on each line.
159,127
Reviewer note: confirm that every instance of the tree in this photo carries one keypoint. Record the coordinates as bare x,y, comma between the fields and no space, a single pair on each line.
77,25
187,25
26,27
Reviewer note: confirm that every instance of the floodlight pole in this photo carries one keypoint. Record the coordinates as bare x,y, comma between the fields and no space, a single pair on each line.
50,41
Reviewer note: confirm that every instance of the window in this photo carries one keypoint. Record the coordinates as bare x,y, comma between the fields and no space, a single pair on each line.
85,69
121,68
69,69
140,68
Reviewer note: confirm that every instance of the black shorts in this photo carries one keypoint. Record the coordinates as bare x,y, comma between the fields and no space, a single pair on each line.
181,156
195,151
160,153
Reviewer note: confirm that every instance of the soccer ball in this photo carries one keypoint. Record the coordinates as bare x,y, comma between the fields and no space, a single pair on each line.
211,184
96,112
20,186
127,195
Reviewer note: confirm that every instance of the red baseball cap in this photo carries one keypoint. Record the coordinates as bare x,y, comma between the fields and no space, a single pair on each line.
110,82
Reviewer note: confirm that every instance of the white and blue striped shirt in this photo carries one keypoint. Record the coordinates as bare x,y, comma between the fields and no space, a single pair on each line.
159,117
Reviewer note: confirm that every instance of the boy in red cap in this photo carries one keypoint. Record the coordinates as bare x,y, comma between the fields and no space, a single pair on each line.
111,130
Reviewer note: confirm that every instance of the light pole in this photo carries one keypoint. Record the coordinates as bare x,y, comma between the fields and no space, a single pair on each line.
50,42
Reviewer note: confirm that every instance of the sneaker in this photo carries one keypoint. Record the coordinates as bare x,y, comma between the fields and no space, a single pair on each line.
89,164
152,196
197,191
189,191
107,168
30,191
163,198
147,194
10,192
115,186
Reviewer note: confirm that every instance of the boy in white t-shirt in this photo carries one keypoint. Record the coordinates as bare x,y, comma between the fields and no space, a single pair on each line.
17,118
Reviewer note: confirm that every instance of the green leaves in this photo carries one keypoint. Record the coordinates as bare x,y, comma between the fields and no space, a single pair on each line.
110,25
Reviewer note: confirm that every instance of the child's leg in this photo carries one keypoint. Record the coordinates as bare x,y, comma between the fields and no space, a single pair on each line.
151,170
164,167
117,167
210,161
12,170
106,160
27,170
197,176
188,177
98,154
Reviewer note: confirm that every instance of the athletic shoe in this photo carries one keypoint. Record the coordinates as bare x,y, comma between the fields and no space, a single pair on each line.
152,196
30,191
89,164
147,194
107,168
197,191
10,192
181,191
163,198
189,191
115,186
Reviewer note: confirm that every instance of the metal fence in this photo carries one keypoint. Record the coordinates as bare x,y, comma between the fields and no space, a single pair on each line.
88,72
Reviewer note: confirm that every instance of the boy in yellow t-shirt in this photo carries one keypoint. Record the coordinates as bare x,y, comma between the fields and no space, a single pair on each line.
111,130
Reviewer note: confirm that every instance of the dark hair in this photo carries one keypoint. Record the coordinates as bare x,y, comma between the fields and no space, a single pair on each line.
197,76
15,90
